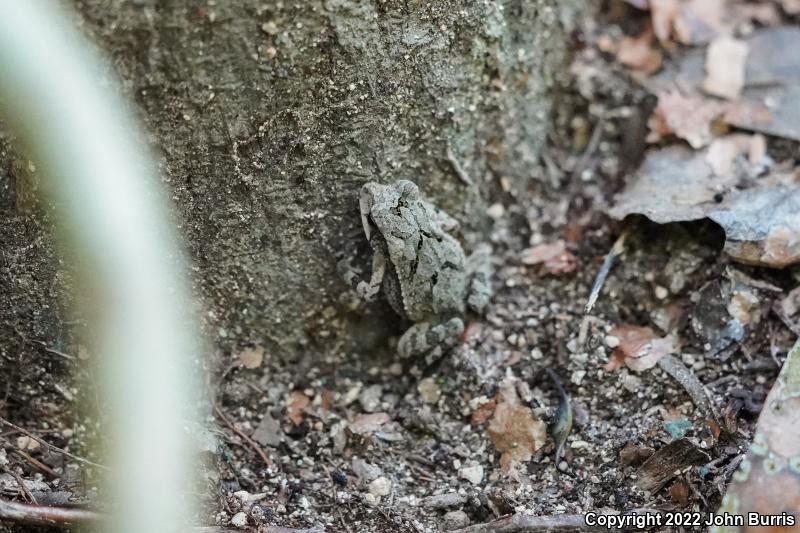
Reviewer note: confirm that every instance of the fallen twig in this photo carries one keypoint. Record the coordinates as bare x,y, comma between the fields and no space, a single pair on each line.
40,515
459,170
269,529
43,346
605,269
522,523
52,447
678,371
23,487
591,147
37,463
253,444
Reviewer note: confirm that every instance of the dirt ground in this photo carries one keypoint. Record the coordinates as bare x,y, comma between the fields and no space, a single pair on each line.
356,443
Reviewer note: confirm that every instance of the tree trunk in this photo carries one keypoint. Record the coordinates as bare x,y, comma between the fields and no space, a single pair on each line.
268,117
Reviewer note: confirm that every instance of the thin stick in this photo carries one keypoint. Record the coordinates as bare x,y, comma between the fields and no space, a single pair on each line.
697,391
43,345
605,269
253,444
594,142
522,523
37,463
39,515
459,170
22,487
52,447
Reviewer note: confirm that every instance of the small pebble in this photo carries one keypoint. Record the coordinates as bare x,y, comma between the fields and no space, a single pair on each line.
429,390
443,501
612,341
631,383
496,211
239,520
364,471
270,28
661,292
370,398
455,520
380,487
578,376
472,473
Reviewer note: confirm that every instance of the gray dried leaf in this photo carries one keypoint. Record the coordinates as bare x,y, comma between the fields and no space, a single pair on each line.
761,222
762,225
673,184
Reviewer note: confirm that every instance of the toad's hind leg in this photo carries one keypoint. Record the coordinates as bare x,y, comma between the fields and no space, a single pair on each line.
428,341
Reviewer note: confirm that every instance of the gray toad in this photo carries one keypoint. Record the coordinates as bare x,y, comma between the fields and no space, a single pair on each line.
419,267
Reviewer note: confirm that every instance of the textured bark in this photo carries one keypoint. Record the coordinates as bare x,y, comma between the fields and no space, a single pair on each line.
268,116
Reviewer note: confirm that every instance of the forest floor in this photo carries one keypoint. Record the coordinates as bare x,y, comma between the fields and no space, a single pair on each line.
363,446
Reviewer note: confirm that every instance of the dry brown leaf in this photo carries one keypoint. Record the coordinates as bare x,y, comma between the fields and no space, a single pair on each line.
483,413
701,20
514,431
791,7
295,407
687,117
664,13
723,151
764,14
252,357
368,423
554,257
725,65
638,53
744,114
640,348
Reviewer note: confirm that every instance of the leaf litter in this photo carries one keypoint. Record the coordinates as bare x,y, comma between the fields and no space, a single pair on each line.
752,83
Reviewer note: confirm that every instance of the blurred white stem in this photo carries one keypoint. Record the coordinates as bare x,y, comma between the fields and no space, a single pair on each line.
59,97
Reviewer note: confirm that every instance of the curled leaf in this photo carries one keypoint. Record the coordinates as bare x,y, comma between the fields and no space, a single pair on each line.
554,257
515,432
640,348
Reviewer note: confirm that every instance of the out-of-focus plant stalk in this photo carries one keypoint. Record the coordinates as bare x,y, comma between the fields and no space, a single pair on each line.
58,95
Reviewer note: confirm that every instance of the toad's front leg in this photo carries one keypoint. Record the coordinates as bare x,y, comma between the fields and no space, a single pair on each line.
429,341
367,290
